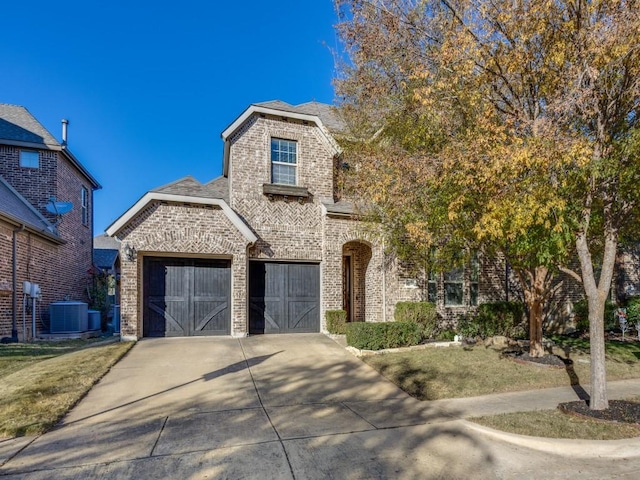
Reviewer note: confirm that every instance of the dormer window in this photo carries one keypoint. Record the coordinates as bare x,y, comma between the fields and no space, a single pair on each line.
284,161
29,159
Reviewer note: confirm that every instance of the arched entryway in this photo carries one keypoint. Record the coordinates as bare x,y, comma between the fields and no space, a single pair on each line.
356,256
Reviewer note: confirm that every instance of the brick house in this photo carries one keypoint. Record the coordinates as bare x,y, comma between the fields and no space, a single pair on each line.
269,246
50,250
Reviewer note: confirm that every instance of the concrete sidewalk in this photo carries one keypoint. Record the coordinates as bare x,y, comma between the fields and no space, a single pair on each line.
289,406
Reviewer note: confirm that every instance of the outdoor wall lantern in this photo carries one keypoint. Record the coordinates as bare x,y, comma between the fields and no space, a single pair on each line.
130,252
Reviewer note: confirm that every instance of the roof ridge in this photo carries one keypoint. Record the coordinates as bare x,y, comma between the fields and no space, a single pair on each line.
187,177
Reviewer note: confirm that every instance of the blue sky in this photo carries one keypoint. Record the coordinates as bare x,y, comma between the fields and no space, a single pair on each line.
148,86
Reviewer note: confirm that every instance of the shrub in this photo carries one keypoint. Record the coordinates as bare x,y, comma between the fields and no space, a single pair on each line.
376,336
495,318
468,327
336,322
422,313
446,335
581,315
633,310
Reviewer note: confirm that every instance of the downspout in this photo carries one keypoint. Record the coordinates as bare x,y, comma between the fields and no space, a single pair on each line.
14,296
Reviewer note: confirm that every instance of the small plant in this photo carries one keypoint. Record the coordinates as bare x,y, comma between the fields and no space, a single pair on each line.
336,322
422,313
621,314
376,336
633,313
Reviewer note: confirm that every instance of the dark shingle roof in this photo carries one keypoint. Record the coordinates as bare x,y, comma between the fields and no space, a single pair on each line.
327,114
18,125
104,257
16,207
104,241
190,187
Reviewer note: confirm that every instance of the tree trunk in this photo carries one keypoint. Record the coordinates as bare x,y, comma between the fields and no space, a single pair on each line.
597,293
535,299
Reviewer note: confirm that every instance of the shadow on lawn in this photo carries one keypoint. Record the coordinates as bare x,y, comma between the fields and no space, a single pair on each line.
573,376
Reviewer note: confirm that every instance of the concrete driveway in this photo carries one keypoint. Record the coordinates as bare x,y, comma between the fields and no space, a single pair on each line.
281,407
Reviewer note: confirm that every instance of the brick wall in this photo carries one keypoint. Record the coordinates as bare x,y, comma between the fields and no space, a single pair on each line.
34,184
287,230
35,263
169,229
61,270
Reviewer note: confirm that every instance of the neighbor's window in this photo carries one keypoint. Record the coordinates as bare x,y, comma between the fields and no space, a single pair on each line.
284,160
453,286
474,274
84,202
432,289
29,159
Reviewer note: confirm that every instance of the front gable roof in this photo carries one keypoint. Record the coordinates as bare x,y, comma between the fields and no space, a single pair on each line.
174,194
313,112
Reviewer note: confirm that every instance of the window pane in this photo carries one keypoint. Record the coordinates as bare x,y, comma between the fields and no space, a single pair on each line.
283,150
475,267
284,174
432,293
454,275
29,159
473,294
453,293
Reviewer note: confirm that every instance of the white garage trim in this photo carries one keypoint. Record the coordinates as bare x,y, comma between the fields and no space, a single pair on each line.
149,197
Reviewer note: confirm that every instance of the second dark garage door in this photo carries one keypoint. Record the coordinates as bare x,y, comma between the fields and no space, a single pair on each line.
186,296
284,297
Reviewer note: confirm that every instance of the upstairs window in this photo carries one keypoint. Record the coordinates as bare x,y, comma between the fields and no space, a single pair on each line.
284,161
29,159
84,205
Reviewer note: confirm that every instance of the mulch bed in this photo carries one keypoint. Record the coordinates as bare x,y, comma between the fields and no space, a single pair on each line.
619,411
549,361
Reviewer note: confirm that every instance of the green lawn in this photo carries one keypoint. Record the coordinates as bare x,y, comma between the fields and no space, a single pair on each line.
436,373
555,424
40,382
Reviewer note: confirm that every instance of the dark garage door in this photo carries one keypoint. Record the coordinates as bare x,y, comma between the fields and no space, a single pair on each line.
184,296
284,297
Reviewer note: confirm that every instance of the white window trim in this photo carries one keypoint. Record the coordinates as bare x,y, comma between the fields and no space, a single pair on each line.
287,164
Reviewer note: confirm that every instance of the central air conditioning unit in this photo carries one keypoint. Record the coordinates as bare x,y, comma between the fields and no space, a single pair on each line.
68,317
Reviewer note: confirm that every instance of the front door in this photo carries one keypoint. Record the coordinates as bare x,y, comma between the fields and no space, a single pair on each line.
347,285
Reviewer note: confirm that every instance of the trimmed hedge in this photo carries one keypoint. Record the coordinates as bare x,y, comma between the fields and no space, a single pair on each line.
494,318
581,315
376,336
422,313
336,321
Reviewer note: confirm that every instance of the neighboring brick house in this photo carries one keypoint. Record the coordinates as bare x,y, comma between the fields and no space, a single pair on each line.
270,245
52,251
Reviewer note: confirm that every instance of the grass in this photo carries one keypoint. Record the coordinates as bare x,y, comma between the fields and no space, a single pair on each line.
40,382
555,424
437,373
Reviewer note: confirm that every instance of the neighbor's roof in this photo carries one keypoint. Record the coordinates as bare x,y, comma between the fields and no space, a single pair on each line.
104,241
189,186
19,128
105,257
17,210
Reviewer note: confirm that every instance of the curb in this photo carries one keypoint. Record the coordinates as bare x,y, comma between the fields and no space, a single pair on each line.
624,448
